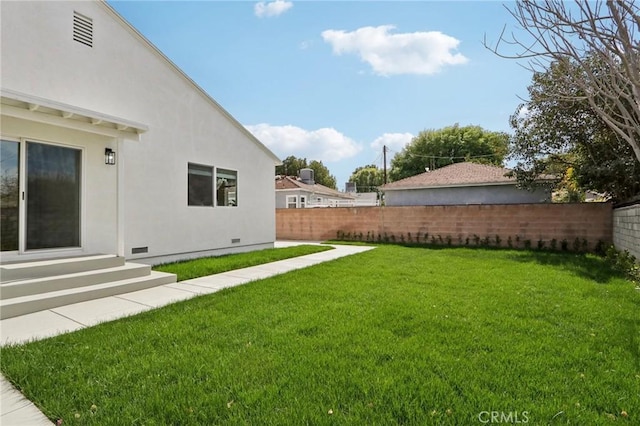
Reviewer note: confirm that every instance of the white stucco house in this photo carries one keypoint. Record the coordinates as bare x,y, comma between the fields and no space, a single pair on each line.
459,184
296,193
299,192
109,148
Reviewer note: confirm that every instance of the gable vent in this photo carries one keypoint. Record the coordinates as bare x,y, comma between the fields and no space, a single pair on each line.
82,29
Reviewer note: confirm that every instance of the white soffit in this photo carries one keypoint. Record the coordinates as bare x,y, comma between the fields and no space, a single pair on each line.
28,107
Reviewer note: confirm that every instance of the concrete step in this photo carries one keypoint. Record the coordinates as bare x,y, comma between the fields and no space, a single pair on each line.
47,268
38,302
20,288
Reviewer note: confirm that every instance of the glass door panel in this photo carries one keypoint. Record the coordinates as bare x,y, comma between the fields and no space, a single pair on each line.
53,179
9,195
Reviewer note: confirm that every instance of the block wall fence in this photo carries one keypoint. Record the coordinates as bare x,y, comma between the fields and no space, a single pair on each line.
626,229
591,223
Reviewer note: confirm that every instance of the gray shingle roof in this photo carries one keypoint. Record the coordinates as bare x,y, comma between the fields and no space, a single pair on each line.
288,182
457,174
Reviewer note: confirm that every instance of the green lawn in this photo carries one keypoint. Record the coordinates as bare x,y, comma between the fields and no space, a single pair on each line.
395,335
215,265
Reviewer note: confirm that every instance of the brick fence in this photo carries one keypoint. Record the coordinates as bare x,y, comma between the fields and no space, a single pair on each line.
626,229
589,223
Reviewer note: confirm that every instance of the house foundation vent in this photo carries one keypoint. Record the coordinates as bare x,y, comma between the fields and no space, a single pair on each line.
235,240
82,29
138,250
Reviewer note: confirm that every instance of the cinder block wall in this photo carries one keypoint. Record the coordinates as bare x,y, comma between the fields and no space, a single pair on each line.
589,221
626,229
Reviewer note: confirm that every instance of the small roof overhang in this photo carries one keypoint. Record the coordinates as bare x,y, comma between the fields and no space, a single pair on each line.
33,108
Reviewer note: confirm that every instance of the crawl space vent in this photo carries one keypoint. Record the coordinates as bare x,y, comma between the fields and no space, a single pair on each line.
82,29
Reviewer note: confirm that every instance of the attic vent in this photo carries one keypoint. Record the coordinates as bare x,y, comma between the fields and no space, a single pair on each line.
82,29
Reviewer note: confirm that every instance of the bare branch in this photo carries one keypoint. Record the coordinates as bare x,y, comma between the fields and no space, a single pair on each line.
581,32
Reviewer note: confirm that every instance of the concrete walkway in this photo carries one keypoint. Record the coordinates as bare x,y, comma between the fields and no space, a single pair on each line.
15,409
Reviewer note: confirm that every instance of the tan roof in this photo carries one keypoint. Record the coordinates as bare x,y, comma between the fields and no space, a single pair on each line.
288,182
457,174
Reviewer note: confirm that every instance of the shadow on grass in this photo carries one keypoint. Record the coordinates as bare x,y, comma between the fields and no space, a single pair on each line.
585,266
588,266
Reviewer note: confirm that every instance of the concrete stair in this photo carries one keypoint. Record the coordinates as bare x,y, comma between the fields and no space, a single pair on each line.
35,286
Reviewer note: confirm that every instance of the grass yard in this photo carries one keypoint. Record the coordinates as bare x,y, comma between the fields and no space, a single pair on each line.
395,335
215,265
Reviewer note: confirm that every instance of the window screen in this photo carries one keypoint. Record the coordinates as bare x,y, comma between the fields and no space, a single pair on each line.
200,182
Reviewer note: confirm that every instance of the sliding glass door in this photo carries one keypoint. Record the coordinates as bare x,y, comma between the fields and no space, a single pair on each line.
9,195
50,191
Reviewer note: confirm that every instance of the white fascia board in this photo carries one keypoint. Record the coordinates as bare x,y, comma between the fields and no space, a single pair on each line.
34,108
291,189
179,72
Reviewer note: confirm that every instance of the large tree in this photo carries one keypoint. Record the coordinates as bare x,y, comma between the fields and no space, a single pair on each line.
437,148
577,34
555,133
367,178
292,165
322,175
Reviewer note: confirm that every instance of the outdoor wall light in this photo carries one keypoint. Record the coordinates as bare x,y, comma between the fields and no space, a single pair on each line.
109,156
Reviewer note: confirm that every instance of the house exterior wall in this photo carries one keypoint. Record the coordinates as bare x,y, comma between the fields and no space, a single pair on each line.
626,229
590,222
312,199
494,194
281,197
99,229
122,76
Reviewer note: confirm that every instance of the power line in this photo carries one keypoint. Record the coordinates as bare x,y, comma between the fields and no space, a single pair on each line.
436,157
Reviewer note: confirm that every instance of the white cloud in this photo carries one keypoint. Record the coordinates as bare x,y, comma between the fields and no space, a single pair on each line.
401,53
394,141
325,144
272,8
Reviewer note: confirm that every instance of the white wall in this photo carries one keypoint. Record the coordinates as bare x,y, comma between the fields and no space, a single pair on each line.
99,197
497,194
626,229
121,76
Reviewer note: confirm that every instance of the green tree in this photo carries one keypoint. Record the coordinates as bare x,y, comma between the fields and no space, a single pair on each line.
558,127
292,165
367,178
437,148
322,175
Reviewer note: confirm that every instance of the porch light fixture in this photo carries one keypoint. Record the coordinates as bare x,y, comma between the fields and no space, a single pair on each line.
109,156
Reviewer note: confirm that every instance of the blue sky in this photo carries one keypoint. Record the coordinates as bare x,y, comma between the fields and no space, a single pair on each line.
334,81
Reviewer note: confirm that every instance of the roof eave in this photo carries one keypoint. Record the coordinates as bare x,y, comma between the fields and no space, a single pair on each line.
172,65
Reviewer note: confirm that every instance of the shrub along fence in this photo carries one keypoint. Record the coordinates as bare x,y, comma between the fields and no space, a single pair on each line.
576,227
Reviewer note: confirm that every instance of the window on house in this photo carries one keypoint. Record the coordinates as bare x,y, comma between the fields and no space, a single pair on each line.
227,187
292,201
303,202
200,182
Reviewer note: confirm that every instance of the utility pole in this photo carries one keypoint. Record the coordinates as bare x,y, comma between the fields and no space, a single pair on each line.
384,154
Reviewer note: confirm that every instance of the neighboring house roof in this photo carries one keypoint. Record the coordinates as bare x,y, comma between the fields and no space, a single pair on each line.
288,183
182,74
453,175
